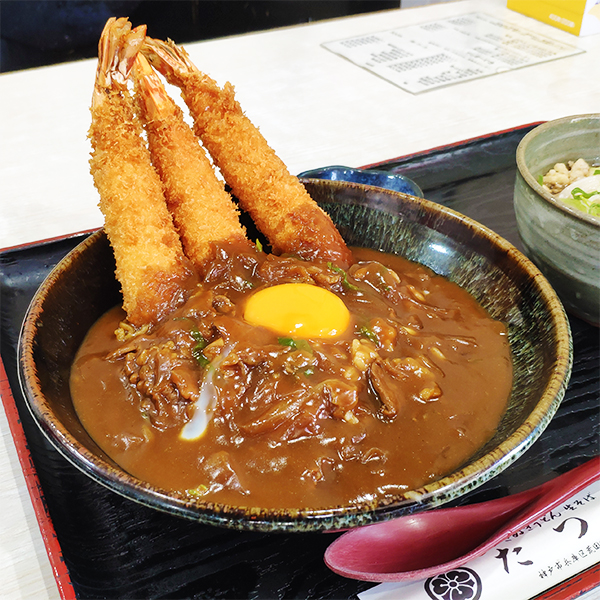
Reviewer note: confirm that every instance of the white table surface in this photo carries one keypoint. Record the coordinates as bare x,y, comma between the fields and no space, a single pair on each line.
313,107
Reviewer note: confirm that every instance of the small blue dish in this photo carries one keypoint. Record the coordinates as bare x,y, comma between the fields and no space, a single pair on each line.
382,179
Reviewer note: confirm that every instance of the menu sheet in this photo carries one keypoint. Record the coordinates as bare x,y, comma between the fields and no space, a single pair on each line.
562,543
419,58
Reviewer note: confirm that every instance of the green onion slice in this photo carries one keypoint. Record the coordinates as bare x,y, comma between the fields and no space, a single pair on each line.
369,334
578,194
295,343
345,282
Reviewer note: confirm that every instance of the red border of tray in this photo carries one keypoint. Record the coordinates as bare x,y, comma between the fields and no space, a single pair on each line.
53,549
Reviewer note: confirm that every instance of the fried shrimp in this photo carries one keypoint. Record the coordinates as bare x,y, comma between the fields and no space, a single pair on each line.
202,210
151,266
276,200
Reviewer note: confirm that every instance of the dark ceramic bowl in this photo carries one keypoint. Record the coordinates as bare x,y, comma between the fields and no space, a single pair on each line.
83,286
384,179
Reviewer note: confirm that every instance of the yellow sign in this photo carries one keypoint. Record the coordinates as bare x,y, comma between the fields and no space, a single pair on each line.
579,17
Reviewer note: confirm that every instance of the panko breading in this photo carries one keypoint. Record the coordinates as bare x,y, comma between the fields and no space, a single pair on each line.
202,210
151,267
276,200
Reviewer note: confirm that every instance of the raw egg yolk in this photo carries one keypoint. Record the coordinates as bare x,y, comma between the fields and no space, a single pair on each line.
298,309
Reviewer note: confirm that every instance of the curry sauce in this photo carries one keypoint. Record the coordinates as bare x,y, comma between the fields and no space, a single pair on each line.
214,407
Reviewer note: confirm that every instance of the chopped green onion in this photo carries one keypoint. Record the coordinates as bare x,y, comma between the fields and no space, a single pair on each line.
579,194
258,245
200,357
345,282
309,371
587,203
369,334
199,338
201,343
541,180
295,343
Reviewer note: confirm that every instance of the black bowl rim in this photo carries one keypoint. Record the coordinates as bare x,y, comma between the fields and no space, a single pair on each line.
534,184
330,518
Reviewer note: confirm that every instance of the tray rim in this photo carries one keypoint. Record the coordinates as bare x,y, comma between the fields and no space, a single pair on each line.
453,145
52,545
588,579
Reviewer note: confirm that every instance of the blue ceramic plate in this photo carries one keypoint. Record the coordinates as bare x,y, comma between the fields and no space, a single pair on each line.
382,179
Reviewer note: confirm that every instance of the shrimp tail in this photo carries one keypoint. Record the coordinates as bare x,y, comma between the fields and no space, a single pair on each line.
169,59
150,264
118,46
276,200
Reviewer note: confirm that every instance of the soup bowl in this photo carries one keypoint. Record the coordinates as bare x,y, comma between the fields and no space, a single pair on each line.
562,241
82,287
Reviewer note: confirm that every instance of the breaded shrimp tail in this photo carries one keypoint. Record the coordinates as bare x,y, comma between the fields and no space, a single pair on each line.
202,210
151,267
277,201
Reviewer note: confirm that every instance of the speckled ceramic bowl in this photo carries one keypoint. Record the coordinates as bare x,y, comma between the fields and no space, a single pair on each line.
83,286
562,241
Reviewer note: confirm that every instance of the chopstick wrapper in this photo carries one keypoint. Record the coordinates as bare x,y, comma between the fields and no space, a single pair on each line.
556,547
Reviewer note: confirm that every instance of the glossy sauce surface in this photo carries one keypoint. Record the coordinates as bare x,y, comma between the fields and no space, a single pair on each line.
413,387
